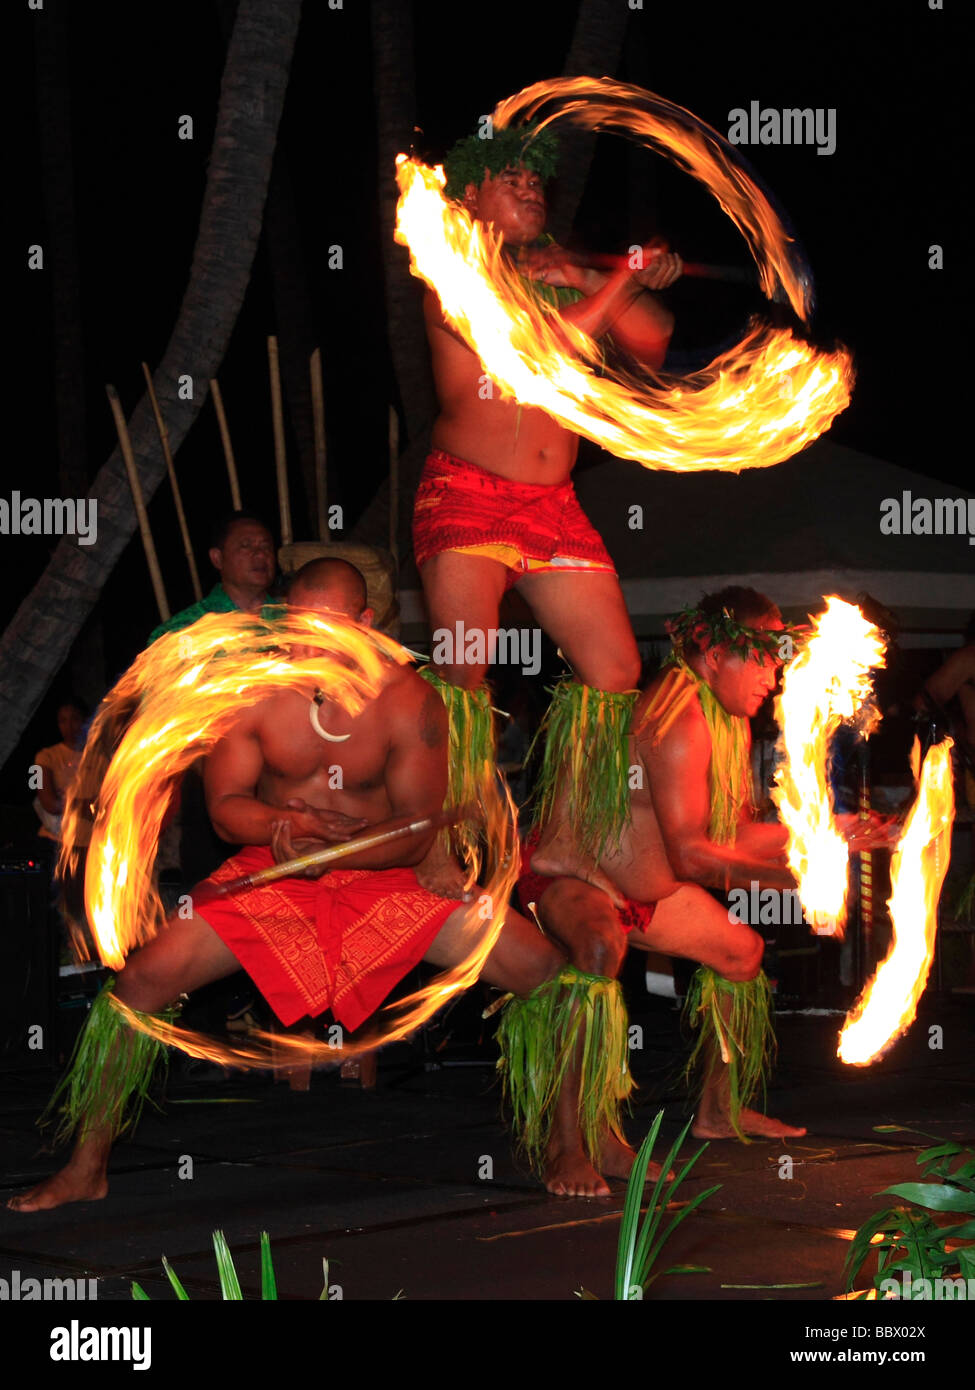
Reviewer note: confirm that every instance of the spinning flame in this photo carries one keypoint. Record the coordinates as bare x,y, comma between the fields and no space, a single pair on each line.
174,703
753,406
825,683
887,1006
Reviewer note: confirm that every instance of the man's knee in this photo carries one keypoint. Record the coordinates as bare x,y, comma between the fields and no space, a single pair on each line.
618,673
466,677
744,958
599,954
585,921
147,982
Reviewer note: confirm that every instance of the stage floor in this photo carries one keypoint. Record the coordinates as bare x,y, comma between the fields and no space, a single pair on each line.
387,1186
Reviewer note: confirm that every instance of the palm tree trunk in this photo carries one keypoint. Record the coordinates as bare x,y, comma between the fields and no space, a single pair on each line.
394,87
87,677
597,43
255,78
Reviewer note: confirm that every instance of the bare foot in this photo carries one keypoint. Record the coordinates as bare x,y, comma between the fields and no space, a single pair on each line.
718,1126
616,1161
440,873
572,1175
558,857
69,1185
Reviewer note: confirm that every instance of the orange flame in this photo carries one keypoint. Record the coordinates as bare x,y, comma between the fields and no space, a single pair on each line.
753,406
887,1006
826,682
173,704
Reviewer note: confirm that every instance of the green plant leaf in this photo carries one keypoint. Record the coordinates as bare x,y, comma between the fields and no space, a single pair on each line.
139,1293
229,1283
646,1250
966,1261
626,1245
939,1151
181,1293
269,1288
816,1284
934,1196
689,1269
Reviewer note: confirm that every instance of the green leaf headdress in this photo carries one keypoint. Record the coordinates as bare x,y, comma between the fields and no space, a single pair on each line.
467,160
695,628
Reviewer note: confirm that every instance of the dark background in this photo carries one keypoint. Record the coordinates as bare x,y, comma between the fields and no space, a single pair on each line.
866,216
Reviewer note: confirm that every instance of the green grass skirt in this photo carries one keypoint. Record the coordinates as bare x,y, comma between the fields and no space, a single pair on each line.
538,1036
744,1040
108,1078
586,759
471,772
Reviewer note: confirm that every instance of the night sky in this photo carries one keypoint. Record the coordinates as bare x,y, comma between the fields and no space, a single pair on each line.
866,216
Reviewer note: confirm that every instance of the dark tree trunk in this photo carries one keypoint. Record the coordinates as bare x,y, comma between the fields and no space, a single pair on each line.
61,241
295,323
255,78
597,44
393,84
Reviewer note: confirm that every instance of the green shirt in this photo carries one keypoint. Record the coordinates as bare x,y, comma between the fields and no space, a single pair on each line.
216,601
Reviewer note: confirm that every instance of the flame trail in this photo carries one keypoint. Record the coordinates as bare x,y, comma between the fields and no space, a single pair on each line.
825,683
887,1006
174,703
755,405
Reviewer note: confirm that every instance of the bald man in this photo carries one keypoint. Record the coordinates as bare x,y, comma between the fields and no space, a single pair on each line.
295,773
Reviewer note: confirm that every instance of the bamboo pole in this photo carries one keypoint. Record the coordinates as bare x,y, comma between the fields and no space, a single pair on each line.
321,458
394,487
125,444
228,448
320,857
280,456
177,498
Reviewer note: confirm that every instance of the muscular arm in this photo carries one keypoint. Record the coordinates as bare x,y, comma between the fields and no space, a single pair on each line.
416,773
230,776
639,322
677,769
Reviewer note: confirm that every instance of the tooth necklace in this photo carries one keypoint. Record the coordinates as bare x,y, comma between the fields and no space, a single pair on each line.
313,709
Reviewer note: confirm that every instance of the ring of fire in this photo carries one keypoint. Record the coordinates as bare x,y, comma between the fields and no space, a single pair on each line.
753,406
172,705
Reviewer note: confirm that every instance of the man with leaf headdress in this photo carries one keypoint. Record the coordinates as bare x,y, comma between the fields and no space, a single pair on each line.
496,509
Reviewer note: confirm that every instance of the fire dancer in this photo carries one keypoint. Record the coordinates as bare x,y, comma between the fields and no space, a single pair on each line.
296,772
496,508
693,831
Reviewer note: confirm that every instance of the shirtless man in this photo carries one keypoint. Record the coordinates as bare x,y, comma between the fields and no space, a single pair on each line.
310,944
495,507
677,843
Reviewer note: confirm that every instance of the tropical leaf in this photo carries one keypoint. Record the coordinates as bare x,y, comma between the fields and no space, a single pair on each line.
229,1283
181,1293
269,1288
640,1244
934,1196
